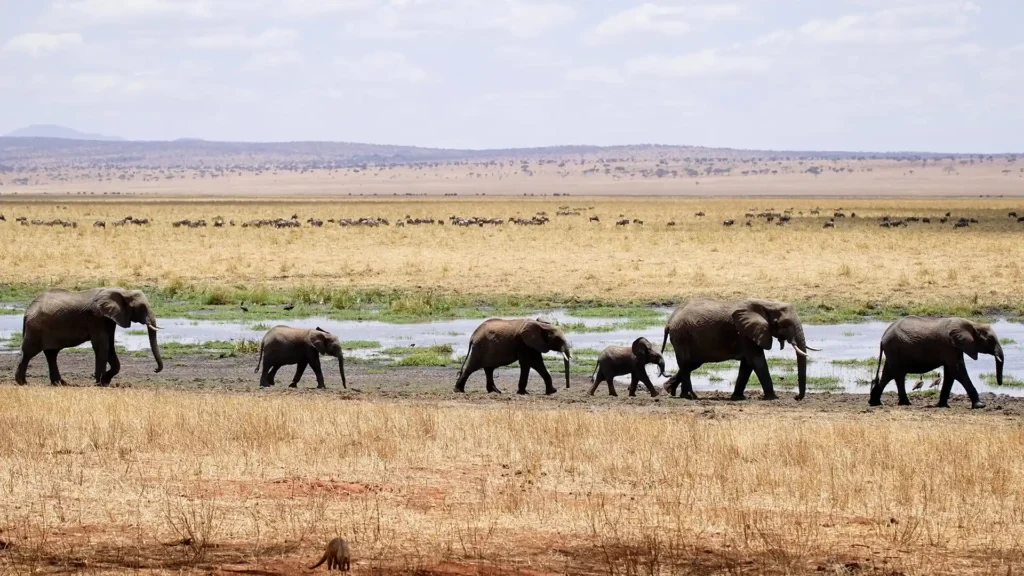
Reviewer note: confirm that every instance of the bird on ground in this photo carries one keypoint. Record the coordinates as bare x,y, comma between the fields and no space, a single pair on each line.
242,306
289,306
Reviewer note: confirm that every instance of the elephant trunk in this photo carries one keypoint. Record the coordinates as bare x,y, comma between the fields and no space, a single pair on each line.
567,356
341,368
661,365
999,364
151,327
800,346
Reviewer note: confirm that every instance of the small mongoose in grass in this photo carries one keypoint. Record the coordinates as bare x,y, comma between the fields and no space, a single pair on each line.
337,555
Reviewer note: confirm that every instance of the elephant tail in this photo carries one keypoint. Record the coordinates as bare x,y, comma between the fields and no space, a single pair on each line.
878,368
258,362
664,340
594,375
468,352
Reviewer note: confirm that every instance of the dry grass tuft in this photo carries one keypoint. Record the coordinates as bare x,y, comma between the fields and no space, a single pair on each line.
120,480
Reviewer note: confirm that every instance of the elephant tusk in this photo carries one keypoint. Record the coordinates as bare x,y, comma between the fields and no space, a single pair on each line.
799,351
812,349
153,327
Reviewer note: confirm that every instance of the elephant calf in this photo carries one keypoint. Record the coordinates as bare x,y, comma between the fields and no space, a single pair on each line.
915,345
283,345
497,342
633,360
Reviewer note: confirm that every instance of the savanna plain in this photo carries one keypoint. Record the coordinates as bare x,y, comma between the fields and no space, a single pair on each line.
227,479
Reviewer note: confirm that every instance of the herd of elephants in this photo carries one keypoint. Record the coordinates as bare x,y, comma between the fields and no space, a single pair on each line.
701,331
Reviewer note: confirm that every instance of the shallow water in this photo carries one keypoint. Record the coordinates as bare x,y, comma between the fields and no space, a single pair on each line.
837,341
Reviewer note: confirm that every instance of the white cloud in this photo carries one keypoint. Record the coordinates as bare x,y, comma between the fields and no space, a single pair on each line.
594,74
271,38
79,12
36,43
263,61
92,84
380,67
668,20
913,23
514,16
703,63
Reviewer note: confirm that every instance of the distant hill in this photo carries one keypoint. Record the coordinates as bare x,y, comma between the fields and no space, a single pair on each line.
53,131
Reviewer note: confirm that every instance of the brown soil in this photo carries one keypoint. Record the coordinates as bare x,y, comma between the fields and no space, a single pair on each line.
425,384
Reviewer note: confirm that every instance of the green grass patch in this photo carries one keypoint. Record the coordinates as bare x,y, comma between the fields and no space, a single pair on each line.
924,393
12,341
856,362
1007,341
1008,381
440,355
616,312
849,334
259,327
137,332
715,377
359,344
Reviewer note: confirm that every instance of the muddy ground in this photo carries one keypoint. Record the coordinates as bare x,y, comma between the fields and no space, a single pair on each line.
369,380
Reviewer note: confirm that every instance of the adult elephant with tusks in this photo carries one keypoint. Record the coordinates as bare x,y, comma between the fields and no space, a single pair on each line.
497,342
706,330
59,319
916,345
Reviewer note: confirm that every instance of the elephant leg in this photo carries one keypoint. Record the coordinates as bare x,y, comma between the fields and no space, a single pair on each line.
972,392
314,363
491,386
472,365
265,379
272,373
598,378
879,387
634,381
672,383
901,389
647,382
100,348
684,381
524,375
29,350
51,362
538,365
741,380
947,386
112,359
298,373
760,365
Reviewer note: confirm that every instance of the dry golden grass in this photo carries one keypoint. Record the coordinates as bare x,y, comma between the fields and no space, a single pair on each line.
111,481
855,262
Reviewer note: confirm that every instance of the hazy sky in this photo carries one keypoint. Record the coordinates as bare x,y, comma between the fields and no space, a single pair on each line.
931,75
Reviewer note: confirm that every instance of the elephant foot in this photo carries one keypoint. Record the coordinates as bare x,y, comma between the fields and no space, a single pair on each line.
293,385
737,397
771,396
522,392
321,387
654,393
59,382
904,403
493,390
875,402
550,391
942,405
977,405
459,390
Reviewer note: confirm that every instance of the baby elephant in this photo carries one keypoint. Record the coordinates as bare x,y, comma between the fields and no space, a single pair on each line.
633,360
286,345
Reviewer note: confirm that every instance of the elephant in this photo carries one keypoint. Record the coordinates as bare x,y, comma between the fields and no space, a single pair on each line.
498,342
633,360
283,345
707,330
59,319
916,345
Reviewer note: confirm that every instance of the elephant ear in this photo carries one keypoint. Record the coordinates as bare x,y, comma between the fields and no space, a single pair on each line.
751,324
642,349
112,304
533,334
965,338
318,339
